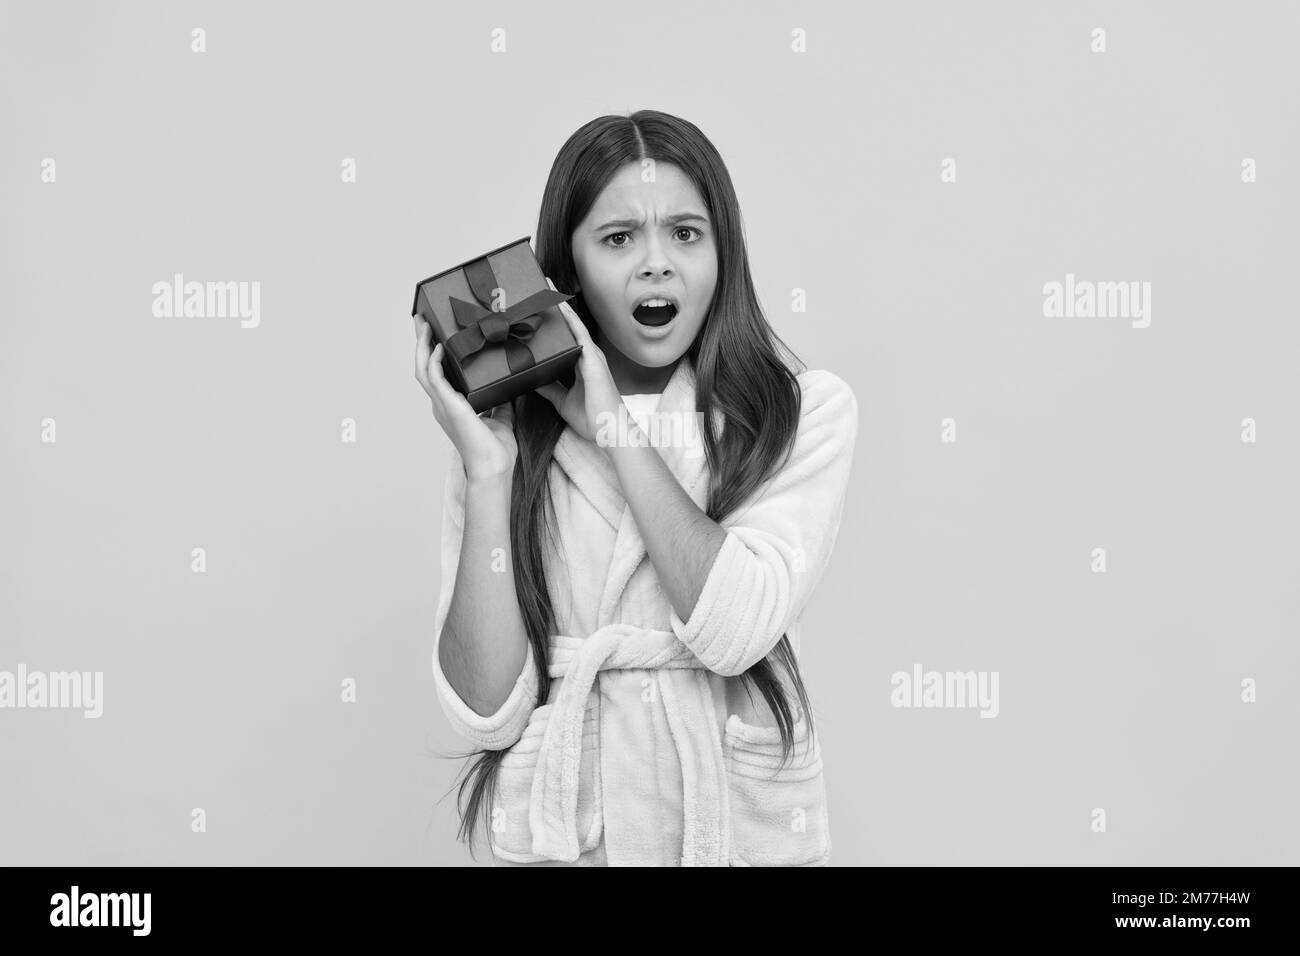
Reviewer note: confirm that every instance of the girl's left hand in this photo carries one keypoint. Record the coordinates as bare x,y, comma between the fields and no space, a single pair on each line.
593,395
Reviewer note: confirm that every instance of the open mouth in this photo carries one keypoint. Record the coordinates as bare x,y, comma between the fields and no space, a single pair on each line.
655,311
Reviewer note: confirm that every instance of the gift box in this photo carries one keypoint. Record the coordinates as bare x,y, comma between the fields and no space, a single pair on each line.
500,325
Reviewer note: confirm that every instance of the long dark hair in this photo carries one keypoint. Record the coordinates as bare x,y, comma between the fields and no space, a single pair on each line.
739,373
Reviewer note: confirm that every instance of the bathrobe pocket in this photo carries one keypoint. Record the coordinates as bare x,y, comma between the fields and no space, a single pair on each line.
778,813
511,836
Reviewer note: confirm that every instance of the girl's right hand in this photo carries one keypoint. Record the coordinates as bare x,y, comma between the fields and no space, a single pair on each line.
486,443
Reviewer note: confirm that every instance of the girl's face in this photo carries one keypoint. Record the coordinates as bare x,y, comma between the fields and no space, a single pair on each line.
643,239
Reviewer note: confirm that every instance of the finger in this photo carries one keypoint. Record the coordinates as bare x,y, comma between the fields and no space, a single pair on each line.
553,393
563,305
454,403
423,335
439,387
590,351
565,308
576,325
574,319
437,377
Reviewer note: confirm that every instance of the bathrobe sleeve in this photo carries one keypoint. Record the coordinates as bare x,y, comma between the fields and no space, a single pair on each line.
779,542
504,728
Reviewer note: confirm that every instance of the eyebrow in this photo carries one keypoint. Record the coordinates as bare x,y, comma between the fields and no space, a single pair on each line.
671,221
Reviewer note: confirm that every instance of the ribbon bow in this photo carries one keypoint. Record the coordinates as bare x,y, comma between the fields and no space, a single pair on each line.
481,327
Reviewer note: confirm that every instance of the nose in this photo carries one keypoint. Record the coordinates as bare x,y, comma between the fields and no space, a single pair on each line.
655,262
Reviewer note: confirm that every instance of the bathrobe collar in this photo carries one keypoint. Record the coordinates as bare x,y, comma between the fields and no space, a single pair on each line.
592,472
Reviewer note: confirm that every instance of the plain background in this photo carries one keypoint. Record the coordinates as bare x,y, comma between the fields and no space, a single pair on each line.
1119,691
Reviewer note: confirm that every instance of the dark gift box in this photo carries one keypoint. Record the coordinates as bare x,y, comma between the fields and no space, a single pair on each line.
500,325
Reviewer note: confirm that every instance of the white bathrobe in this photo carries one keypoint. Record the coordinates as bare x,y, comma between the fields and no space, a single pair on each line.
648,750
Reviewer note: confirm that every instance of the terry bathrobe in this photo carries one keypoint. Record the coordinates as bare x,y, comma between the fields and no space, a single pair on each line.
648,750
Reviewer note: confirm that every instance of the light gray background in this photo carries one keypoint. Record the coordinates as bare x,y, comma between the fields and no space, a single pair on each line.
1119,691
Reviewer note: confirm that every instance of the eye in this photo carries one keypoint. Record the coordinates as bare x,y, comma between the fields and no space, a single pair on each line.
689,230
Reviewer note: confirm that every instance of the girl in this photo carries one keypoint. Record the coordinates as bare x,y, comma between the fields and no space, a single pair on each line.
608,681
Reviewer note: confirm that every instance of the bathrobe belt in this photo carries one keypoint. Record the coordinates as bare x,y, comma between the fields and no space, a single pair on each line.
553,809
